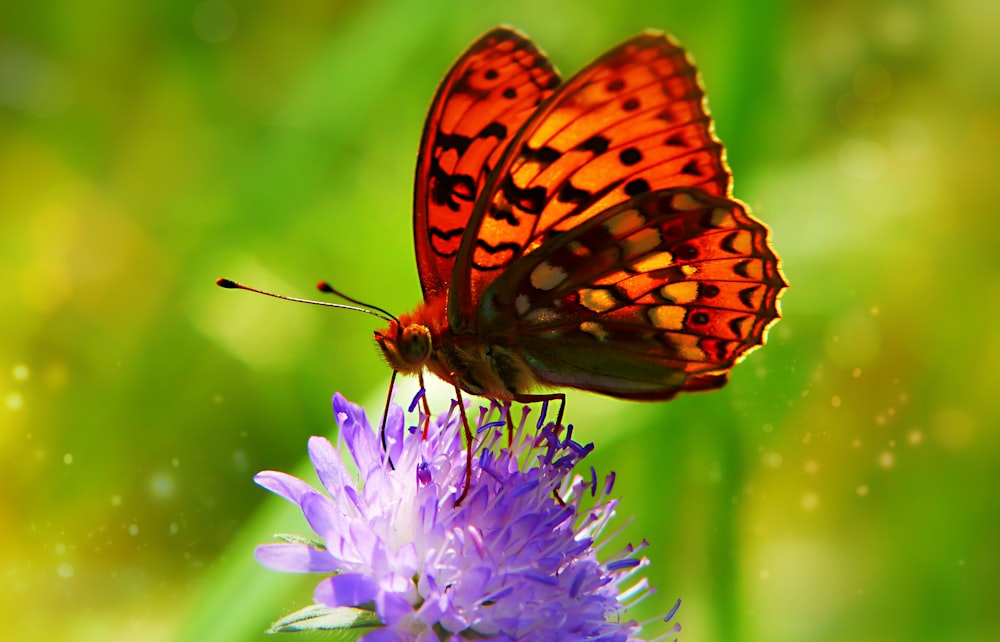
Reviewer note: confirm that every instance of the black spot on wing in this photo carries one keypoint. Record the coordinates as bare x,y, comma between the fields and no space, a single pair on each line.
494,130
543,155
736,325
676,140
691,169
504,214
636,187
595,144
452,141
448,189
568,193
708,290
630,156
444,235
530,199
512,249
728,243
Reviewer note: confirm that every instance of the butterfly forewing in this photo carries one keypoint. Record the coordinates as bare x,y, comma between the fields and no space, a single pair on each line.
631,122
489,93
642,300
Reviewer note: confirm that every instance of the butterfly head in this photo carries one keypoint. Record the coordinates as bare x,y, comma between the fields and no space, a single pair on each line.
407,348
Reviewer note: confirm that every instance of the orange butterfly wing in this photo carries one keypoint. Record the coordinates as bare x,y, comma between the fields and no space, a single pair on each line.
633,120
661,293
604,248
493,88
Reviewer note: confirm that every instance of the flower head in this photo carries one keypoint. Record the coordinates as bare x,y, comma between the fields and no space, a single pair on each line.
515,561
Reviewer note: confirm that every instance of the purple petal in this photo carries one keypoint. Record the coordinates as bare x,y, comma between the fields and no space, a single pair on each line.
394,432
364,539
352,413
392,607
283,484
382,635
357,434
295,558
322,514
346,589
406,558
474,582
328,464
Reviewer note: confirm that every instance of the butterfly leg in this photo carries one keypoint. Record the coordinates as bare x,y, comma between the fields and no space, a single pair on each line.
385,418
510,424
555,396
427,406
468,449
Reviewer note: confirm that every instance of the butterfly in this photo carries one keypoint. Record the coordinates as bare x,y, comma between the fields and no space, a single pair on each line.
579,234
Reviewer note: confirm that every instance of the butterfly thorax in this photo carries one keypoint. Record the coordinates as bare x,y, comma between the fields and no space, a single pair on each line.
423,339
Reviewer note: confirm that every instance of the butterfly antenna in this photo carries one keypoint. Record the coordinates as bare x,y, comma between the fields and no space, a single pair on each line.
229,284
323,286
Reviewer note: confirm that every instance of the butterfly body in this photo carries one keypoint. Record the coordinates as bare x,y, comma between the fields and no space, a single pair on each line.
580,234
423,339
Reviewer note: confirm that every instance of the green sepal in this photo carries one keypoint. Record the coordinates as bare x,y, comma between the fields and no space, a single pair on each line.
292,538
317,617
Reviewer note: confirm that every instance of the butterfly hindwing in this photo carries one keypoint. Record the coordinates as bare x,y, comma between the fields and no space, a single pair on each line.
658,294
491,90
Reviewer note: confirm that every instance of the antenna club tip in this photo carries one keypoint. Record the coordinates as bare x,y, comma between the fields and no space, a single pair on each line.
226,283
323,286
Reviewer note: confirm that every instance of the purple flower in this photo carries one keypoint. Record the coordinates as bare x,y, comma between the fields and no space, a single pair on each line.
515,561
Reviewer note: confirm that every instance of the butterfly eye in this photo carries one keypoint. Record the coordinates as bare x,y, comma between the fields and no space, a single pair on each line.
415,344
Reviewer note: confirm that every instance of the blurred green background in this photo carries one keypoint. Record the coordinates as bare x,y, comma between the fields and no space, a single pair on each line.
842,487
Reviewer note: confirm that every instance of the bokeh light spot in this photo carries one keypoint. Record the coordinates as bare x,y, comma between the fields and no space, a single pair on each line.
162,485
14,401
